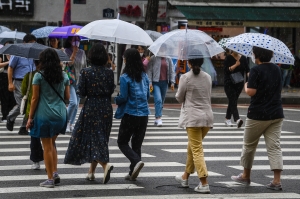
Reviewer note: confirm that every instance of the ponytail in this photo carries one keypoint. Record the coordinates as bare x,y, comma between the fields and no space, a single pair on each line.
196,64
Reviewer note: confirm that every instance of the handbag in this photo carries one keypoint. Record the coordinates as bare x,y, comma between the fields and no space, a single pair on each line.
236,77
24,101
70,70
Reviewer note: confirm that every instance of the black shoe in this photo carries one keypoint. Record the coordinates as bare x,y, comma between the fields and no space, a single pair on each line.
23,131
10,125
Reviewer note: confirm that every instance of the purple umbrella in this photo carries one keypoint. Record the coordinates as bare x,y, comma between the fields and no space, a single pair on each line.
65,31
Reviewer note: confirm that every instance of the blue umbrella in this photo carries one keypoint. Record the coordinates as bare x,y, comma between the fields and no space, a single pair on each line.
43,32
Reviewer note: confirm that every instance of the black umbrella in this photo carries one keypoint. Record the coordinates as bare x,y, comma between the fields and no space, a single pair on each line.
30,50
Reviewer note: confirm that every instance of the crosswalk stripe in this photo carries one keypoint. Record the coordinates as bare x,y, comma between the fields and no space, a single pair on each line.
116,132
68,188
57,148
267,167
223,196
206,137
228,150
232,158
159,143
68,166
213,143
118,155
97,175
287,177
235,184
163,127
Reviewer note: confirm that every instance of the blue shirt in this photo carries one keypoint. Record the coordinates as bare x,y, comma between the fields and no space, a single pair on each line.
21,66
133,96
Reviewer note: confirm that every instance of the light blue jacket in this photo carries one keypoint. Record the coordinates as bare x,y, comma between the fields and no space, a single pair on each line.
133,98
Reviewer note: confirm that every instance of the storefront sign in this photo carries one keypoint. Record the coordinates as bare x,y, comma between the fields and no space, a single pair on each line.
17,7
138,8
108,13
210,29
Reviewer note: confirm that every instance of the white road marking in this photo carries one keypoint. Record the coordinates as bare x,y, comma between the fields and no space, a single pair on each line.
118,155
68,188
87,165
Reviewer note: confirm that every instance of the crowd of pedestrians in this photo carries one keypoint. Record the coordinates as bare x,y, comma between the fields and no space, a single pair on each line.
49,85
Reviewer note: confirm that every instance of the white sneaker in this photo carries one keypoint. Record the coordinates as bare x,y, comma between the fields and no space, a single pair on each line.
228,123
184,183
202,188
159,122
68,130
35,166
71,128
4,121
239,123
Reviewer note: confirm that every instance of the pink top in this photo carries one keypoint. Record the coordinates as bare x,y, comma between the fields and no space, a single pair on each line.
163,70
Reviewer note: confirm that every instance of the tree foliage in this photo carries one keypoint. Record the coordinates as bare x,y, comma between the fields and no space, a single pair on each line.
151,15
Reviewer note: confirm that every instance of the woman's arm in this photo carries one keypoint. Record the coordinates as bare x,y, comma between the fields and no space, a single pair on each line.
2,65
122,98
34,102
67,93
180,95
81,85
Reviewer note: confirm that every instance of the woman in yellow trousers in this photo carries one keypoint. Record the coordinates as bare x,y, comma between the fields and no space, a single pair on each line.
196,116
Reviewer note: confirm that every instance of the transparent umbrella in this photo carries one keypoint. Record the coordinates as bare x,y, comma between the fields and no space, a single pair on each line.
244,43
185,44
153,34
11,35
43,32
3,28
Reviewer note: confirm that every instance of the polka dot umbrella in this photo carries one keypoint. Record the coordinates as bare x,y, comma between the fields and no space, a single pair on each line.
244,43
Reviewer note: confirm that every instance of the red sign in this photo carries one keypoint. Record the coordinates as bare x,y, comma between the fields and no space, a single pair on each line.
130,11
209,29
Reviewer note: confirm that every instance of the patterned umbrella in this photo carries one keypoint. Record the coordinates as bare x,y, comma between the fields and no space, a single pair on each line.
153,34
244,43
223,41
3,28
43,32
65,31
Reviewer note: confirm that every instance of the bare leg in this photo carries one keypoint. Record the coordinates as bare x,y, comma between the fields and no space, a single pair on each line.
203,181
277,174
48,156
246,173
93,167
185,176
54,151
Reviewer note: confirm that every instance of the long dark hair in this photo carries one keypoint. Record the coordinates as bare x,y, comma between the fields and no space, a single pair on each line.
134,65
50,64
196,65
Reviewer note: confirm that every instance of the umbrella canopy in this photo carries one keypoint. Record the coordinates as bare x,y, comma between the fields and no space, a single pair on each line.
153,34
3,28
244,43
30,50
12,35
43,32
185,44
117,31
65,31
223,42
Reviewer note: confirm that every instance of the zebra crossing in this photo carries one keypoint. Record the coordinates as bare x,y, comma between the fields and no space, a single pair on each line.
164,154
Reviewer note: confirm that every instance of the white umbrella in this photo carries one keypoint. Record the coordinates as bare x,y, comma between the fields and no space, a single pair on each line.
185,44
244,43
117,31
12,35
153,34
223,42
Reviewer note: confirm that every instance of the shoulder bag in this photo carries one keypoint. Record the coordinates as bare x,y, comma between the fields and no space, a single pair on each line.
236,77
24,101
